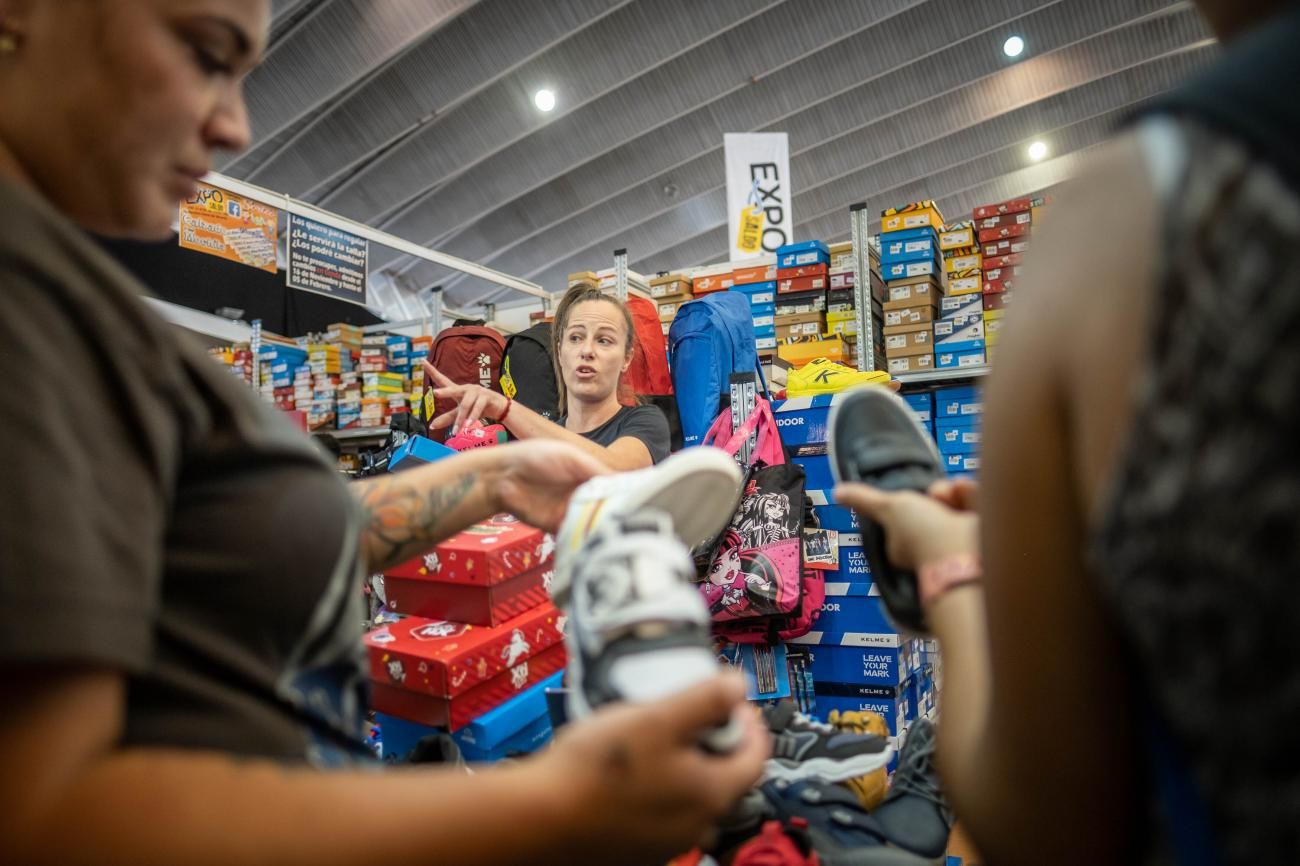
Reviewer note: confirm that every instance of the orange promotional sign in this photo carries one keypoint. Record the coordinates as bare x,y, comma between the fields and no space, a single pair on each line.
231,227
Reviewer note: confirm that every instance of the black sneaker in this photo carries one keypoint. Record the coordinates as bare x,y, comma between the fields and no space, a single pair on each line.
914,814
876,439
842,832
804,748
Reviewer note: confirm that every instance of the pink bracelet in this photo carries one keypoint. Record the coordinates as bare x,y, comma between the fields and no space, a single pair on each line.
938,577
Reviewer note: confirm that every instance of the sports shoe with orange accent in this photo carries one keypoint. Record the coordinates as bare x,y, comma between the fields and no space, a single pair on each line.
869,789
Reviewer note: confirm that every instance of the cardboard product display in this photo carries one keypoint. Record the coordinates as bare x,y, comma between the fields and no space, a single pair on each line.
819,270
803,253
1009,246
960,236
918,214
443,658
1003,233
992,287
910,364
1008,261
904,340
758,293
956,264
801,284
912,292
456,712
761,321
1011,219
917,315
754,274
765,344
1015,205
795,305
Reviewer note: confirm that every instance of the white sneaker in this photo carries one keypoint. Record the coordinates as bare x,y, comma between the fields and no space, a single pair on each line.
698,489
637,629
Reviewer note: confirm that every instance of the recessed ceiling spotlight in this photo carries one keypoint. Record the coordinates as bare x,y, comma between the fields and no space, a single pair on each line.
1038,150
1013,46
544,99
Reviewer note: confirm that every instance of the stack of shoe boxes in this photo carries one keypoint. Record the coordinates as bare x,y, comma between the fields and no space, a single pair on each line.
859,661
757,281
959,330
958,413
327,364
712,278
911,266
802,278
280,367
420,348
841,305
669,292
470,627
1004,230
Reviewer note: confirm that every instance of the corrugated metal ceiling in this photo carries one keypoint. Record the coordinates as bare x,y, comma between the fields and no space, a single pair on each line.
421,122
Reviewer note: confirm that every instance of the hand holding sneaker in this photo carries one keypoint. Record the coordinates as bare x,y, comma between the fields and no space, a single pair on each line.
633,782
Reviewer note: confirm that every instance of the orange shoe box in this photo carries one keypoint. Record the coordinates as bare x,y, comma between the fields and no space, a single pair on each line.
911,216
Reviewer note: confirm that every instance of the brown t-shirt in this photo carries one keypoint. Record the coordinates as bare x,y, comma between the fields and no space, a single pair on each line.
158,518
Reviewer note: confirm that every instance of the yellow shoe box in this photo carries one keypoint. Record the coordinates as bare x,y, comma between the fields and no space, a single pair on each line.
966,282
958,237
798,351
972,262
911,216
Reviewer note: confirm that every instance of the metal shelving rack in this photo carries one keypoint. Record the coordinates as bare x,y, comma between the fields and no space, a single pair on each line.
926,377
867,359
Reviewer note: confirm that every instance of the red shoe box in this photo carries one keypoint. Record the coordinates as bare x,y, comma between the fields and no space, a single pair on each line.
1007,261
469,603
998,274
846,280
997,301
445,659
802,284
992,287
1016,205
748,276
1006,247
800,272
485,554
997,234
456,712
1011,219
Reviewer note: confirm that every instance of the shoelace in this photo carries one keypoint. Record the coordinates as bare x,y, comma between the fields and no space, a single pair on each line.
918,777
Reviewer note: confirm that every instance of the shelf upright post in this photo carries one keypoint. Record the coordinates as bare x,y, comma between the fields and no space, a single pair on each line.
436,310
620,275
862,287
255,346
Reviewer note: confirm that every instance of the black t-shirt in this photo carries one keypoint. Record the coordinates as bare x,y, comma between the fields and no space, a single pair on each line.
161,520
646,423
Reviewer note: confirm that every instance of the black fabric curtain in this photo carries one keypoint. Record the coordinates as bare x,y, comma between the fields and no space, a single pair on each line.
205,283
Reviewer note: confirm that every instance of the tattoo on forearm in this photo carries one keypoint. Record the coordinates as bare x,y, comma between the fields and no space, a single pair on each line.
401,520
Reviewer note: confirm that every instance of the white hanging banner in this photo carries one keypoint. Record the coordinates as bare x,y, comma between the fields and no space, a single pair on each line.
758,193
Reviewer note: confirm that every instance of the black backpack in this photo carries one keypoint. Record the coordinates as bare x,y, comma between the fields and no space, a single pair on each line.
528,371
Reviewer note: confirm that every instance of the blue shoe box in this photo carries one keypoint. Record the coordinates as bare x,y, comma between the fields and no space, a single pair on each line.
910,245
857,614
961,464
922,404
832,516
896,703
801,254
521,724
855,665
957,402
970,356
817,471
804,424
958,435
853,561
759,311
904,270
417,451
759,293
765,332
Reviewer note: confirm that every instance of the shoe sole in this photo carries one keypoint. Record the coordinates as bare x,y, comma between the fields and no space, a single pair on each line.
817,392
697,488
829,769
885,403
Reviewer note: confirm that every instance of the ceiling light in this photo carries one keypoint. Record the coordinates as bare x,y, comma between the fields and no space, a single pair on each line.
1013,46
544,99
1038,150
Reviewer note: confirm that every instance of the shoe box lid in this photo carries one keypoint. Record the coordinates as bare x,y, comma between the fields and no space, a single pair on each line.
949,402
490,552
446,658
957,355
755,288
803,253
958,439
958,464
471,603
804,420
456,712
914,245
500,725
922,404
527,740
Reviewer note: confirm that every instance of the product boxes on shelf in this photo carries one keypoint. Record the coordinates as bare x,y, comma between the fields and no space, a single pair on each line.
1002,274
1010,260
765,344
1015,205
469,603
799,353
960,305
763,315
796,305
956,264
958,237
913,292
714,278
968,282
1022,218
817,470
445,659
765,332
961,463
800,284
670,286
905,340
906,270
841,255
866,659
909,245
960,438
803,324
845,323
802,422
992,287
993,321
917,315
842,279
801,272
755,273
804,253
758,293
997,301
948,360
668,310
922,404
911,216
830,515
520,725
1007,247
959,402
959,333
456,712
910,364
415,451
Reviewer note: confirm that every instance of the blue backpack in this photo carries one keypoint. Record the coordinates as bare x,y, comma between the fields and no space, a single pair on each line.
711,338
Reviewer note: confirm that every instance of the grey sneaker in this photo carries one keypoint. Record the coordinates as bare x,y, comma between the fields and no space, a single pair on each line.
804,748
914,814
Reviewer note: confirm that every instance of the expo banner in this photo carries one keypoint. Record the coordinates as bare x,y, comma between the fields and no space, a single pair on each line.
758,193
230,227
327,261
